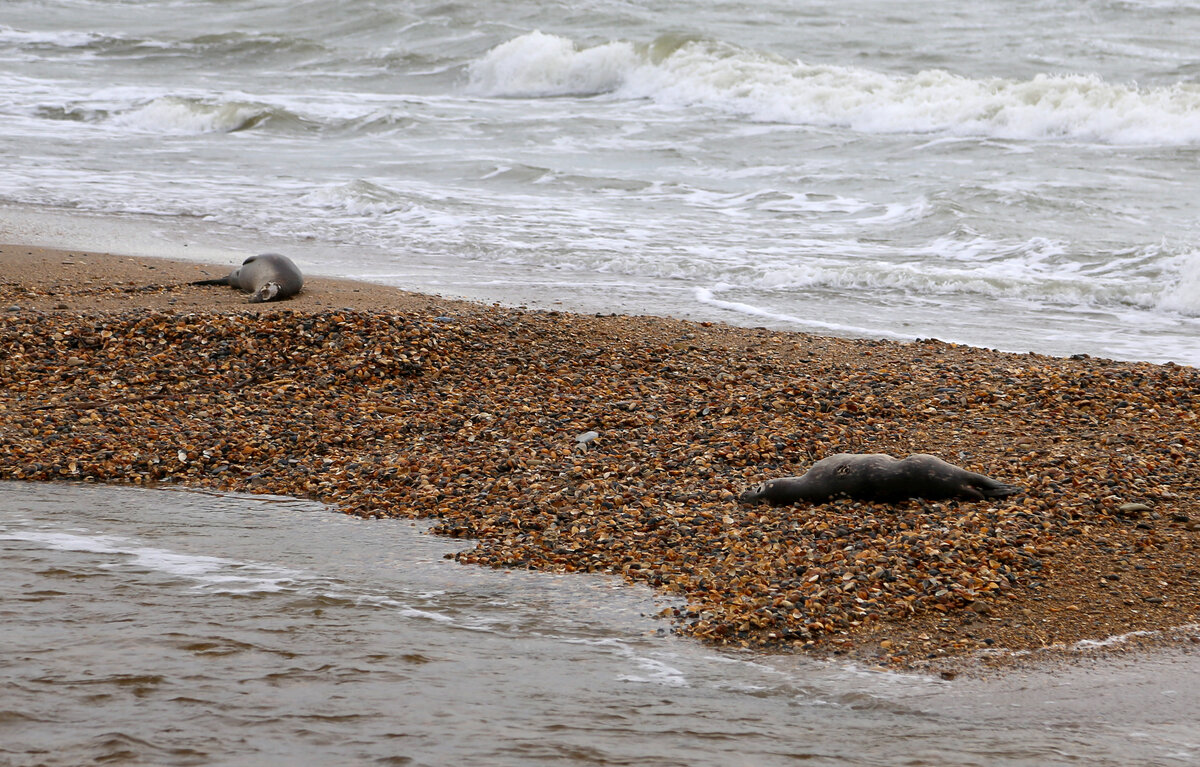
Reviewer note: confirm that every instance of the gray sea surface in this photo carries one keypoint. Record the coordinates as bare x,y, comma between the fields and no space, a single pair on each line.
1019,174
167,627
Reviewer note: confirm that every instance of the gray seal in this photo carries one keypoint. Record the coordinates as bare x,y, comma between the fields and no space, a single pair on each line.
878,477
268,276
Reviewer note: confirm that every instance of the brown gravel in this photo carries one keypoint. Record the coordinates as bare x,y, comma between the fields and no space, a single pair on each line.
386,403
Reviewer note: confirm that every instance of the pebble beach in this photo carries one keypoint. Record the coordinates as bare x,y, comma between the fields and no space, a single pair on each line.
565,442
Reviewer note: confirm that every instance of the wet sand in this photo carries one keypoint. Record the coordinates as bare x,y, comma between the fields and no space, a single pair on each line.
387,403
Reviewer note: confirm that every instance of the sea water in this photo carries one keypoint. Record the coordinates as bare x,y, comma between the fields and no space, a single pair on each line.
1019,174
165,627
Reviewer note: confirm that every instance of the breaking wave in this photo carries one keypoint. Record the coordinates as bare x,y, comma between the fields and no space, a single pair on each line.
180,115
1184,295
689,72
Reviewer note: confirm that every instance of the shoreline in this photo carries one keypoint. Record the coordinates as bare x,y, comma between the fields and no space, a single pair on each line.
381,402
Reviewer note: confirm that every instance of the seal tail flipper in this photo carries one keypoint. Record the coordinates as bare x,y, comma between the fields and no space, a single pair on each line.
994,489
266,293
219,281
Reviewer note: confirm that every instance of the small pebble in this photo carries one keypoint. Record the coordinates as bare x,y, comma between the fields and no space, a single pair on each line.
1133,508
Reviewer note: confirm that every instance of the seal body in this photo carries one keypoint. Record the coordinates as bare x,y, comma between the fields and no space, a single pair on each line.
267,277
878,477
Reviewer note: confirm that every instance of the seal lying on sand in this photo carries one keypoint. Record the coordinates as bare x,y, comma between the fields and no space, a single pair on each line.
878,477
269,276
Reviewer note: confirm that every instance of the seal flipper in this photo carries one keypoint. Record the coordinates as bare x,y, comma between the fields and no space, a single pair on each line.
219,281
972,493
993,489
266,293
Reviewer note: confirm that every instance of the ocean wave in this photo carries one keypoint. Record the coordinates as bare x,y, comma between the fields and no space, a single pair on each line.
689,72
1038,271
41,40
918,279
225,46
358,198
187,115
240,44
371,213
538,65
1183,296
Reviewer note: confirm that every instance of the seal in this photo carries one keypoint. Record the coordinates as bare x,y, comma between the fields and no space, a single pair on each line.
878,477
268,276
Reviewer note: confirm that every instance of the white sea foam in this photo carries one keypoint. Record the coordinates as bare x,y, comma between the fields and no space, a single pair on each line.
707,296
1111,641
95,544
655,672
359,198
1038,269
1184,295
223,574
769,88
537,64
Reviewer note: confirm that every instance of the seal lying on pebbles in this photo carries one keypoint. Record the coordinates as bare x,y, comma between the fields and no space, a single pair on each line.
878,477
269,276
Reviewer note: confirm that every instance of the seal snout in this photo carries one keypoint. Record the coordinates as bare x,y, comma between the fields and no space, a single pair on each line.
749,495
754,494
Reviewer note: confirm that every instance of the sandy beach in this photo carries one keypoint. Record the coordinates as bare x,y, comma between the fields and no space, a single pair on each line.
386,403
